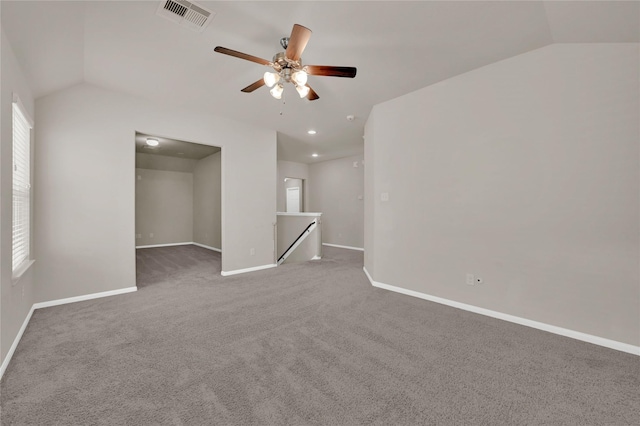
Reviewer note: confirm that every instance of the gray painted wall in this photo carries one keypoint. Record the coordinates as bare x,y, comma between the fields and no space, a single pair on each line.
164,207
164,162
369,195
15,299
525,172
336,188
178,200
206,201
85,210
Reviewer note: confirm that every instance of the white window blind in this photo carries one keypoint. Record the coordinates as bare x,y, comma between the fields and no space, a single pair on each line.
21,184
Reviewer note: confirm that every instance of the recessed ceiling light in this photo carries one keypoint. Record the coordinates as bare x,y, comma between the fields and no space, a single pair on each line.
314,155
152,142
312,132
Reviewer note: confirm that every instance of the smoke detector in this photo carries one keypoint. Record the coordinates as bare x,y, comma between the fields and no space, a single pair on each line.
186,13
350,117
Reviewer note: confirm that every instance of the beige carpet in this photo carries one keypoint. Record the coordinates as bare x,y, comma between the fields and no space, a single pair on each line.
309,343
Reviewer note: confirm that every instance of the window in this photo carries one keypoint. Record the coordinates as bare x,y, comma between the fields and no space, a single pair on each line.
22,126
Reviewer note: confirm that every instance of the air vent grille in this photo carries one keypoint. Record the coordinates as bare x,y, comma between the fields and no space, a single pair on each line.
176,8
185,13
195,17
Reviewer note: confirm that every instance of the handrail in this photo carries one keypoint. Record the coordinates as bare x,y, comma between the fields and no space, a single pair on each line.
295,241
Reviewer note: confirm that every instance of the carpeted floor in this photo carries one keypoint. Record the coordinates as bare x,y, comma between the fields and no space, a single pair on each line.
310,343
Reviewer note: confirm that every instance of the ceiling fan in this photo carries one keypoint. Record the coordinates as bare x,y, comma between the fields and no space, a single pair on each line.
288,66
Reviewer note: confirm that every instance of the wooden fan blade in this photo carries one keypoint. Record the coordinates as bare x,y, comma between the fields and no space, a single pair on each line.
241,55
329,71
297,42
253,86
312,95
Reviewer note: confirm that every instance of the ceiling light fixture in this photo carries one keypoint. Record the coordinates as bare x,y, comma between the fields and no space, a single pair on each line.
152,142
312,132
288,75
271,78
303,91
277,90
314,155
300,77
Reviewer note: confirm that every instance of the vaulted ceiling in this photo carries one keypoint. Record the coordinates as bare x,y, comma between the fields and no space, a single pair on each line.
397,47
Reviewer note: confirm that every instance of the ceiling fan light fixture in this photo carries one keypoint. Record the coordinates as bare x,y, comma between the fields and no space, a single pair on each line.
302,90
288,66
270,78
277,90
300,77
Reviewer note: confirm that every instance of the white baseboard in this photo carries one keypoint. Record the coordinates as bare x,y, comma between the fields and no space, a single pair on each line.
207,247
344,247
14,345
589,338
242,271
181,244
165,245
83,297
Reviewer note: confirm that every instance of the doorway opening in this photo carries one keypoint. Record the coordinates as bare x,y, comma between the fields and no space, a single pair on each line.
178,214
294,195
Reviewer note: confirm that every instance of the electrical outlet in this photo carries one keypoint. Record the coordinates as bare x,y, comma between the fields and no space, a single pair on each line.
384,196
252,251
479,280
470,279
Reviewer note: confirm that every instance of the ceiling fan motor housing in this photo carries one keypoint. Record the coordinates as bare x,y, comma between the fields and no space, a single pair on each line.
279,59
286,74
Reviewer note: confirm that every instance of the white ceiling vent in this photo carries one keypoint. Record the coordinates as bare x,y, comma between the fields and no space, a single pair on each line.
186,13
